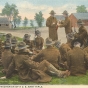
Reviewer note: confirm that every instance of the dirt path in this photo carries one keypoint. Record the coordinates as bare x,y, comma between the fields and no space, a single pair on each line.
44,33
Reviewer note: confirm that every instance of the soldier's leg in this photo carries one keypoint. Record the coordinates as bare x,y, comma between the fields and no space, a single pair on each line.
45,65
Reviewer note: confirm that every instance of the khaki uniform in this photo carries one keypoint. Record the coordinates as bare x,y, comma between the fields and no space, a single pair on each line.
85,50
76,61
67,25
50,54
30,43
64,48
7,57
52,28
82,35
28,70
39,43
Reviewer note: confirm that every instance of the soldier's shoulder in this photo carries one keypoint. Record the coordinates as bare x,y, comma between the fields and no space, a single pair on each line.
70,51
85,49
49,18
84,28
42,38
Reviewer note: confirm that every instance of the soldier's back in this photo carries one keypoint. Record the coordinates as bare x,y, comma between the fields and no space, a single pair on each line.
7,57
76,61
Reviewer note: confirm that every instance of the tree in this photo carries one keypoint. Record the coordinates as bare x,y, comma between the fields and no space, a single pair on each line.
18,20
11,12
31,23
39,18
25,22
15,16
81,9
6,11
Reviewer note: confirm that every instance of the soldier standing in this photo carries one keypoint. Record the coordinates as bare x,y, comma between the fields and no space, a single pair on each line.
66,23
52,24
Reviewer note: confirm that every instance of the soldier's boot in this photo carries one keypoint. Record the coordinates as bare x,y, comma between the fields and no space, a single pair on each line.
58,72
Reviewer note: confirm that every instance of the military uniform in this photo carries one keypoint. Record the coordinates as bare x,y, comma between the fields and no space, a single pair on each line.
67,25
76,60
7,57
52,27
25,72
50,54
39,43
85,50
29,70
82,35
28,42
64,48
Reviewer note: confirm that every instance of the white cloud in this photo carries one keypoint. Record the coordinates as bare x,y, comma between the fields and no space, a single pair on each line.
28,9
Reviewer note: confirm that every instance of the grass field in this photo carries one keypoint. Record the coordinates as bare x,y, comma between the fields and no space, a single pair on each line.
71,80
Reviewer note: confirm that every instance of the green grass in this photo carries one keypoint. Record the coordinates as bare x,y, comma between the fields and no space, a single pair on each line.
3,38
71,80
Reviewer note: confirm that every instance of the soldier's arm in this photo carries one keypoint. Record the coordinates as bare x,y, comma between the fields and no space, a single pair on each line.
38,57
30,63
48,23
64,24
83,34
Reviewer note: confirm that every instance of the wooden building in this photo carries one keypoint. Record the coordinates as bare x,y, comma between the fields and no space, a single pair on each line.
5,23
75,16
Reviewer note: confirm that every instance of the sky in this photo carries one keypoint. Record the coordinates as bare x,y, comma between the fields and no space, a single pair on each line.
28,8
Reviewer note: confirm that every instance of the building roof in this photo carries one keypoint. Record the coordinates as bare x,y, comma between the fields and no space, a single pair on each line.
60,17
83,16
4,20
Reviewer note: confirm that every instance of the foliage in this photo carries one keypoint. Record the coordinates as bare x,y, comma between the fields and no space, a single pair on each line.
25,22
31,23
11,12
39,18
81,9
18,20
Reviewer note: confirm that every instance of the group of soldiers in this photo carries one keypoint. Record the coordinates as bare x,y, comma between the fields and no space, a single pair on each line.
31,62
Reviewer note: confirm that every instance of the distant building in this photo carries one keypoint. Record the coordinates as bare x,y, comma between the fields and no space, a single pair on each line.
60,17
75,16
5,23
